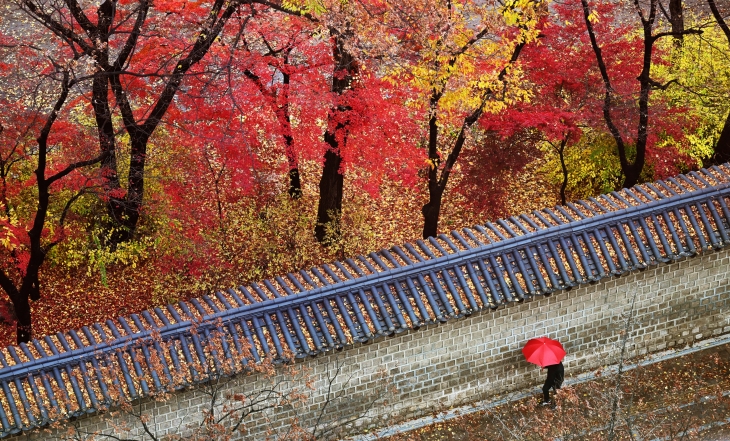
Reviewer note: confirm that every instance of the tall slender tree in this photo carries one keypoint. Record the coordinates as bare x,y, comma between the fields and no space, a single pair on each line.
332,181
463,57
632,164
34,105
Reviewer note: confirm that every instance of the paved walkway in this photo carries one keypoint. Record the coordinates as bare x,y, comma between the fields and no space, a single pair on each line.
719,431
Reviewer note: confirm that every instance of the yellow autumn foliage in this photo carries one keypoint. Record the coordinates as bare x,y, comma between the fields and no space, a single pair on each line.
701,67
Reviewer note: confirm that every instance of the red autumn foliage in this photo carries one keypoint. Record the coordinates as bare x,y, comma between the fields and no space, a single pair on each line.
193,165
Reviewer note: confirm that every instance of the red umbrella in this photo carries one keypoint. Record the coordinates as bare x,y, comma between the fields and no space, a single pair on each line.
543,351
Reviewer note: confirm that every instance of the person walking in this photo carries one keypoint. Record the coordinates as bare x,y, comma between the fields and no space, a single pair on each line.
547,353
555,376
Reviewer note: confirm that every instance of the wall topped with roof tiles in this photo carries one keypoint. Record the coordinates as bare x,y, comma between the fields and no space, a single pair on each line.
474,357
444,319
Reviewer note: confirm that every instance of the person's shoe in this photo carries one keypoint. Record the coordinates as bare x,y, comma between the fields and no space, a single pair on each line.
545,403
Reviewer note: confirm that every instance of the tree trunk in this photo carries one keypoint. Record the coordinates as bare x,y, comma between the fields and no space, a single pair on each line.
437,181
431,213
676,17
564,168
295,184
21,305
112,196
24,325
113,193
722,149
135,192
631,176
331,183
432,209
633,171
330,191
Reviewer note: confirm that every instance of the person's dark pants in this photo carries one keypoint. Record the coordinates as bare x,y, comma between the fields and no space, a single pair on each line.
554,380
546,390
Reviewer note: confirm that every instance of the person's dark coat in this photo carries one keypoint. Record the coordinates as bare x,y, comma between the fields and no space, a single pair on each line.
555,375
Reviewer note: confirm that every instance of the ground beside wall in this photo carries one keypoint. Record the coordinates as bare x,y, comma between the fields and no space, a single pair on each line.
471,358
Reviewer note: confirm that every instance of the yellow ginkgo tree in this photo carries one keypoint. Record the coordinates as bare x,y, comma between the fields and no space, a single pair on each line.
460,56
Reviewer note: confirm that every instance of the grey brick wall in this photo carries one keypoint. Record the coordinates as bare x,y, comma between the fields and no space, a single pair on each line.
478,356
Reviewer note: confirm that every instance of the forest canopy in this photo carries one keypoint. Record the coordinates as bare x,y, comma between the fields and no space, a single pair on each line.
157,150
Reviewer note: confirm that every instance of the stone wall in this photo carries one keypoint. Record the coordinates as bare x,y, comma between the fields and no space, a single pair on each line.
475,357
